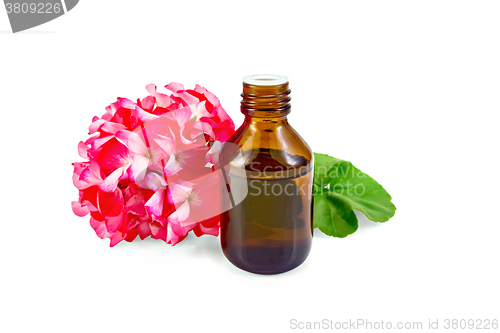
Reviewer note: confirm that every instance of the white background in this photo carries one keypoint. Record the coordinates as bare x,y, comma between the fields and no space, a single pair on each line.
406,90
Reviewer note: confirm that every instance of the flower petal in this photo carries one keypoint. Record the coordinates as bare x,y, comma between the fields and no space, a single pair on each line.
143,115
115,239
114,223
99,228
82,149
90,176
148,103
98,142
132,141
144,230
154,181
167,144
162,100
110,203
135,205
172,167
175,234
111,127
111,182
181,213
113,155
79,209
155,204
127,103
139,168
174,86
179,192
96,124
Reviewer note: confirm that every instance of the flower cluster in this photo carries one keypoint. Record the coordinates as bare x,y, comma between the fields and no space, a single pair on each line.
149,166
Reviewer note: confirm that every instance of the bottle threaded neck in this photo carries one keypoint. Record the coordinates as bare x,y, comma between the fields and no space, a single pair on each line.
266,96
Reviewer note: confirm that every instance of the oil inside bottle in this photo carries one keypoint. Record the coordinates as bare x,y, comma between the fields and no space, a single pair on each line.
269,231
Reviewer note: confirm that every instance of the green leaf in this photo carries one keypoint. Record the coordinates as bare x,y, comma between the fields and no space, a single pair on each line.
339,188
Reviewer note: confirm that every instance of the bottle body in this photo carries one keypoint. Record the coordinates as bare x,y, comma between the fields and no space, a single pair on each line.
269,230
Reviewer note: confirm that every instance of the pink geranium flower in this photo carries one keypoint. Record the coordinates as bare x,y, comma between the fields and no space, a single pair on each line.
142,154
148,168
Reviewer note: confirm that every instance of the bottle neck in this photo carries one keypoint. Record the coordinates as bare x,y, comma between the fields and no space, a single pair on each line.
266,121
265,101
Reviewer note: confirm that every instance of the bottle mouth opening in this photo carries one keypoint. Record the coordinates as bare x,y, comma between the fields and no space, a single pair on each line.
265,80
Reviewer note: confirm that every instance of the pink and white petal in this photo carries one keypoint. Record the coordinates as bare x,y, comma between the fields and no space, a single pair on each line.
172,167
162,100
213,155
205,128
148,103
111,127
79,167
77,172
139,168
155,228
183,115
111,109
154,181
172,237
143,115
144,230
79,209
174,87
151,89
127,104
89,178
115,239
83,149
90,140
179,233
187,98
185,126
99,228
181,213
193,130
122,137
158,160
209,96
155,204
90,206
200,89
179,192
199,110
136,144
111,182
167,144
94,127
98,142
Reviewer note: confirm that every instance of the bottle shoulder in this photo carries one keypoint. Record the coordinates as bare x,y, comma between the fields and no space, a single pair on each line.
270,146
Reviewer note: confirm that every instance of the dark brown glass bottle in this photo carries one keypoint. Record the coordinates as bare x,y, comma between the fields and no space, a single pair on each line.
268,229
